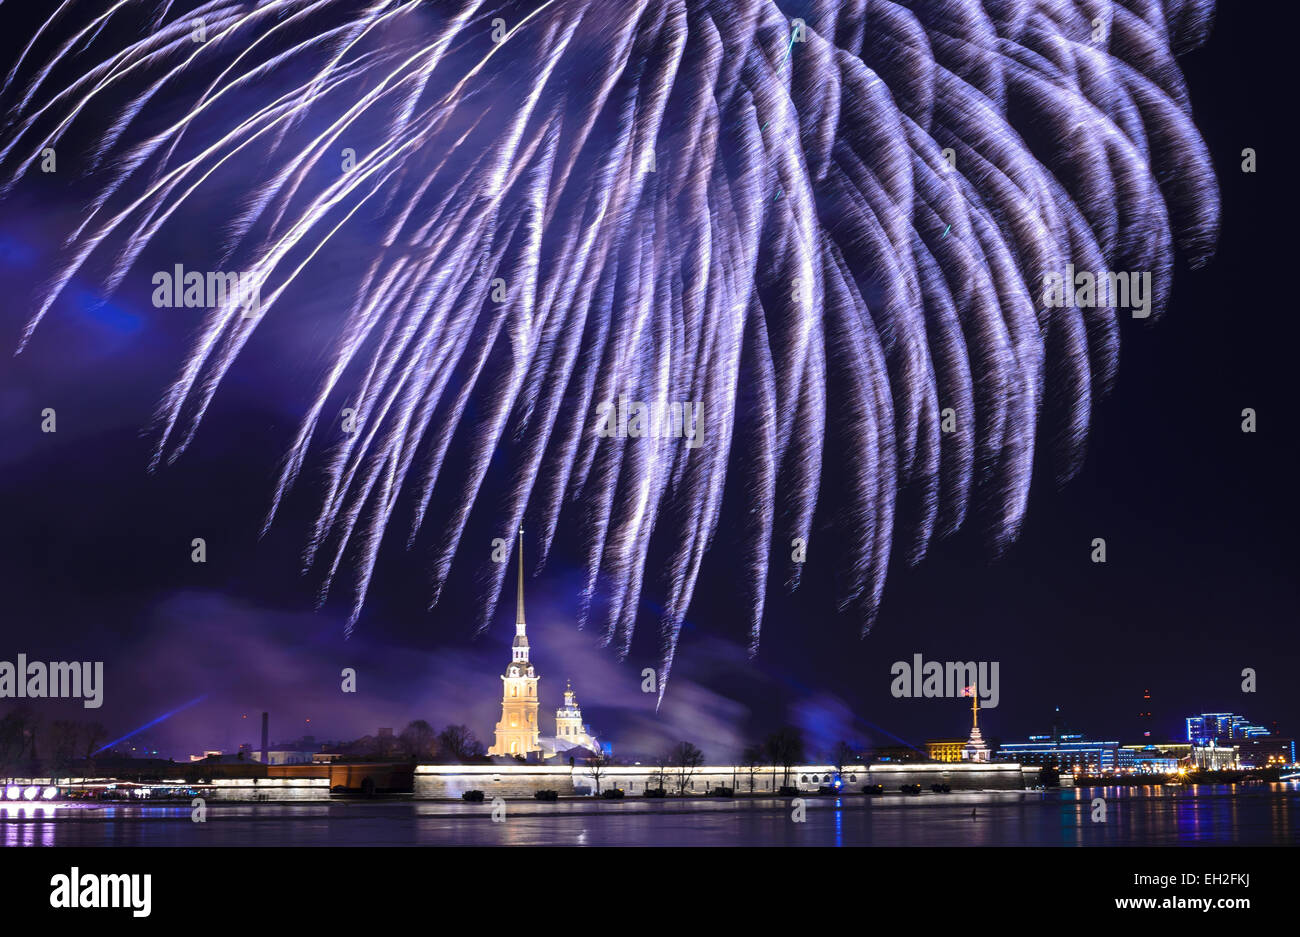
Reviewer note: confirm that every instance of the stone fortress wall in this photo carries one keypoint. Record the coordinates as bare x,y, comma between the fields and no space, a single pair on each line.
514,781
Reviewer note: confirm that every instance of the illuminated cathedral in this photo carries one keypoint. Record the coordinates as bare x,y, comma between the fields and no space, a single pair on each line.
569,729
518,732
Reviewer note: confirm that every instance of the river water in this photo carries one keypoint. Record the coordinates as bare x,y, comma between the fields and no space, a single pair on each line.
1148,816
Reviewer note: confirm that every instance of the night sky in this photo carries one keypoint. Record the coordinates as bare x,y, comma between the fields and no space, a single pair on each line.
1199,520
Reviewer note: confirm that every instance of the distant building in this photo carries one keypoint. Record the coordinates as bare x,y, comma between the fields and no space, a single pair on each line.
1267,752
284,757
1159,758
1221,727
948,750
1215,757
1068,752
894,754
303,751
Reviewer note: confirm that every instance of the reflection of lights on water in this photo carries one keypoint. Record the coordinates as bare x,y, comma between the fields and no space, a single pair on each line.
18,813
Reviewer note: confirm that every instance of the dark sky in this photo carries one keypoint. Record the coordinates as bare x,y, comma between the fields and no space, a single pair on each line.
1199,520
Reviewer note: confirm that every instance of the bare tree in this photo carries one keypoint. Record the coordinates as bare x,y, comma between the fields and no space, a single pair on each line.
33,729
842,753
660,775
685,757
785,749
418,739
792,753
92,734
771,753
63,743
460,743
13,735
596,765
752,758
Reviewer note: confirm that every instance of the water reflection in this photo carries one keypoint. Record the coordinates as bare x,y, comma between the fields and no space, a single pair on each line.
1254,814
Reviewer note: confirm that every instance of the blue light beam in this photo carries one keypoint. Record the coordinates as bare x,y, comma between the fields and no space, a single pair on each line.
167,715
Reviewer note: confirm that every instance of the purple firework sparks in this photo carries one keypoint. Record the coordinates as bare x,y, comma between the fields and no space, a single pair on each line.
841,211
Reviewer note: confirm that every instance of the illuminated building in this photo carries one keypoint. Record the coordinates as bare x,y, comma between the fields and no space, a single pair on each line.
569,729
517,732
1161,758
947,750
1068,752
1215,757
1221,727
1267,752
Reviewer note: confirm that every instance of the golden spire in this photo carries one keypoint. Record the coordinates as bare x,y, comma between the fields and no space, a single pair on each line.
975,710
519,613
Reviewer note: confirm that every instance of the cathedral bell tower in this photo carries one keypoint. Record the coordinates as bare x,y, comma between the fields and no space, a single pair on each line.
517,732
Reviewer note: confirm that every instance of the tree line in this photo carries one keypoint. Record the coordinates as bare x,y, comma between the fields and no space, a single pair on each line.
29,744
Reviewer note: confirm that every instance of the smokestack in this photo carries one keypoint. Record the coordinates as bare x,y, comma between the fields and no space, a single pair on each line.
265,733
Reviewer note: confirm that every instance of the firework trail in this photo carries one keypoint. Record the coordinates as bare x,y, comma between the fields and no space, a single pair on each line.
826,234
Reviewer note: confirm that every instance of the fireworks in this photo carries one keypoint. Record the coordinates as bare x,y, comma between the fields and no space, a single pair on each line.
828,224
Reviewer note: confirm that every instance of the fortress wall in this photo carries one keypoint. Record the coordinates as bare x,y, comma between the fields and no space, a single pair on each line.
434,781
268,789
516,781
988,776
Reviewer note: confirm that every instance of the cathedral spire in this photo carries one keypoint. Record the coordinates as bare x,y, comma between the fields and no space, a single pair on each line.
517,732
519,612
